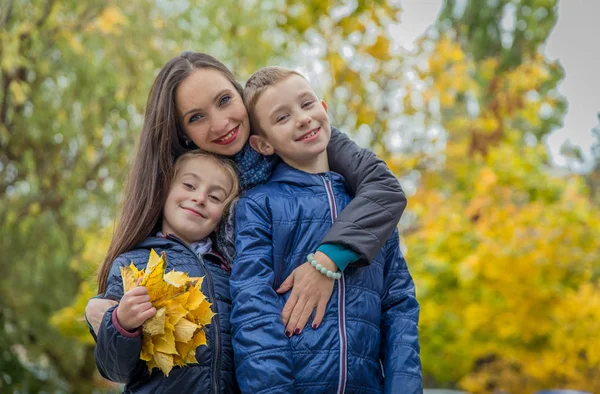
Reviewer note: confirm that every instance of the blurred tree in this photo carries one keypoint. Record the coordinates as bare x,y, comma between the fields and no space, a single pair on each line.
503,249
74,79
593,178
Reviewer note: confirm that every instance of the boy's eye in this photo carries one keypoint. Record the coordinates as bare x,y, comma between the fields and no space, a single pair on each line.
224,100
195,117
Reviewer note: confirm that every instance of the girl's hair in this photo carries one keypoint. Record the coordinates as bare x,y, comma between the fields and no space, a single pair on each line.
223,163
161,142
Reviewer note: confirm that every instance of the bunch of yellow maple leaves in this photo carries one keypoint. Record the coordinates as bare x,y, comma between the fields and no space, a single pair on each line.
182,311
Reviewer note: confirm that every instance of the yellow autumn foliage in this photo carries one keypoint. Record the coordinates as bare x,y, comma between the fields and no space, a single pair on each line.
503,248
173,334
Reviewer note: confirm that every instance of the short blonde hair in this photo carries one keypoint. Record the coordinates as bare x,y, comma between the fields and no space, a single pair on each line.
225,164
256,86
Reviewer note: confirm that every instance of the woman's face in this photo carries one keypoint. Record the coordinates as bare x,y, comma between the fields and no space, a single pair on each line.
212,112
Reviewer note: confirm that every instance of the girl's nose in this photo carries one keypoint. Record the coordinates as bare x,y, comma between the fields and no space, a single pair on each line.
199,197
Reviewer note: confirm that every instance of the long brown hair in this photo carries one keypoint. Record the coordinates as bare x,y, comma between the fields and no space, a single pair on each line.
161,142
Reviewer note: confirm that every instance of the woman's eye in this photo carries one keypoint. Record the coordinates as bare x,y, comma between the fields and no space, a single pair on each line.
195,118
224,100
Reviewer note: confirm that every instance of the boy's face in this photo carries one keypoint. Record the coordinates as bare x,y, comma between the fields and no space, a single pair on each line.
194,206
295,122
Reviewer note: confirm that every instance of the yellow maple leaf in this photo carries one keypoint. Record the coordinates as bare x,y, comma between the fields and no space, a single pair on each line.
164,362
156,324
184,330
173,334
203,314
177,279
165,343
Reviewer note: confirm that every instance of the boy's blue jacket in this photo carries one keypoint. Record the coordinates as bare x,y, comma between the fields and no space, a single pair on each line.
370,325
118,357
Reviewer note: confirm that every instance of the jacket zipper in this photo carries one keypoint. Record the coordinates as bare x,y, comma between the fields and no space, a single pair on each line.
341,296
217,330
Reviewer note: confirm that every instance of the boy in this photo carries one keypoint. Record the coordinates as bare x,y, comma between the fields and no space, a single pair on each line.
370,328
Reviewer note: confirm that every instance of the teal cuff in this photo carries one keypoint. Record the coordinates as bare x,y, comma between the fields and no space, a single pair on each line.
340,255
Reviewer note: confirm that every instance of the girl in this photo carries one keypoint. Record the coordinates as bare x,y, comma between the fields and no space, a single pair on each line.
203,186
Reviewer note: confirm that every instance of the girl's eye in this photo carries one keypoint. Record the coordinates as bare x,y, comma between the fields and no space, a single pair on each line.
281,118
214,198
224,100
189,186
194,118
307,104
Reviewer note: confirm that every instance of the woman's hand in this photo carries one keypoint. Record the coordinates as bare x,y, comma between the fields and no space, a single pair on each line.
310,289
135,308
95,310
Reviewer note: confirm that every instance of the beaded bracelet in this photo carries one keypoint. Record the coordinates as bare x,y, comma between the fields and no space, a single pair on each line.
321,269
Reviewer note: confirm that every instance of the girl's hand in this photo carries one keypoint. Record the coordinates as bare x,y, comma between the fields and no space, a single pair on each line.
135,308
95,310
310,288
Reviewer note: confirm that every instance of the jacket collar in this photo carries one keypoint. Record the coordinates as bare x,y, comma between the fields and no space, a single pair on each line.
166,242
285,174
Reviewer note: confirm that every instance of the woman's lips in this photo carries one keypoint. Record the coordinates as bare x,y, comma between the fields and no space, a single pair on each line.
229,137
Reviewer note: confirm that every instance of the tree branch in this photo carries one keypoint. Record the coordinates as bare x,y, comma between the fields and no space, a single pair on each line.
6,14
47,9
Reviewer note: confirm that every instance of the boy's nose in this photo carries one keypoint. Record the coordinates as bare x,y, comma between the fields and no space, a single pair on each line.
304,120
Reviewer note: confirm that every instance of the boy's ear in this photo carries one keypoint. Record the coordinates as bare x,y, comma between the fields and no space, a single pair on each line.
324,104
260,144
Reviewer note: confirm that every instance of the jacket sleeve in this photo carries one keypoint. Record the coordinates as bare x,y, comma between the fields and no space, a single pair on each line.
369,220
263,361
117,351
399,325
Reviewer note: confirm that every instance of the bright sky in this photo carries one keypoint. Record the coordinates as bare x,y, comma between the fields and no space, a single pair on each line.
573,42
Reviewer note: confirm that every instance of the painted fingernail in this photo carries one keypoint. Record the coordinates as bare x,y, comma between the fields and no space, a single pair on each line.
314,326
288,334
297,331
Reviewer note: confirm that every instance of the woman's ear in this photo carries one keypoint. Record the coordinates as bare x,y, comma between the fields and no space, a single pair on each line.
324,104
260,144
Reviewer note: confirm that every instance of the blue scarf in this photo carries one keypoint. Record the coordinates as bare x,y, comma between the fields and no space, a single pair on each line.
253,168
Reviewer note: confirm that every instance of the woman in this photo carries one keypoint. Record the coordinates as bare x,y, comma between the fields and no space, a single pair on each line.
195,102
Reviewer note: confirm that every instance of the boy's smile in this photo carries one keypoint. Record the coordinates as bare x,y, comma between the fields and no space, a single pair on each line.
296,124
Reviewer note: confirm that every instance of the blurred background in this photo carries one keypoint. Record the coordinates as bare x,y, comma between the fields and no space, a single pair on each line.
487,111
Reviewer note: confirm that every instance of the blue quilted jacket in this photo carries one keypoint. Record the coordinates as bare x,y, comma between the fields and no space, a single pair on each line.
368,341
118,356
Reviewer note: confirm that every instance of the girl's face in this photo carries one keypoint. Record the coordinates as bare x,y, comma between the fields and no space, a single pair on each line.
212,112
195,203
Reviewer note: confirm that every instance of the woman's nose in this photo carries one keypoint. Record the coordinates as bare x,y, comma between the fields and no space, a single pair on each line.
219,124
